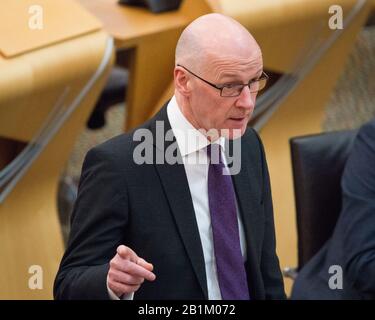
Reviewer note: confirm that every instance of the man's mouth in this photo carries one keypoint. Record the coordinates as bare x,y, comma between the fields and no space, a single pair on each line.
239,119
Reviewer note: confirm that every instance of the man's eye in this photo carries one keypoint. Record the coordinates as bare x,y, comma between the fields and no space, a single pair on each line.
231,85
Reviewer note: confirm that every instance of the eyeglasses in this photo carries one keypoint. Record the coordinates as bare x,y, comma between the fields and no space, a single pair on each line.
235,89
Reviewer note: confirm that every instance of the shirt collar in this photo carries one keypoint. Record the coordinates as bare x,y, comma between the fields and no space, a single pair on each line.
189,139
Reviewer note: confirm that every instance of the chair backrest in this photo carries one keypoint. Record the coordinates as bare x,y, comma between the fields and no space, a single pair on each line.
156,6
318,162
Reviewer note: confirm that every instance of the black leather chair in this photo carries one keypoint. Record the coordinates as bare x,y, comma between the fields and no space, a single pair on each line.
317,163
156,6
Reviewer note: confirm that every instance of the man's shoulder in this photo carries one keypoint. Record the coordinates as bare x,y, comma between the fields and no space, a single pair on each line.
120,148
251,136
368,129
251,141
124,142
364,147
115,145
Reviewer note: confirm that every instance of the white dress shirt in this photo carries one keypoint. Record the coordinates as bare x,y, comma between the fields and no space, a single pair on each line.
192,146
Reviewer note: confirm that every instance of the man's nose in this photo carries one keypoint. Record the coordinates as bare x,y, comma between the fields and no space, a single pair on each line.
246,99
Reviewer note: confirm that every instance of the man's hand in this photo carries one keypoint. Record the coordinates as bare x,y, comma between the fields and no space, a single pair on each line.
128,271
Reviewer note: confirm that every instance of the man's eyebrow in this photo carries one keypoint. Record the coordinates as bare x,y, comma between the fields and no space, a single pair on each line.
229,75
234,75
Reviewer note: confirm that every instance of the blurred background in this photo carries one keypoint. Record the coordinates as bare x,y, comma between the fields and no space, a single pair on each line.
74,73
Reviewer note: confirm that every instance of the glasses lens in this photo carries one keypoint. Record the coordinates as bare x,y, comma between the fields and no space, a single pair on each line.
257,86
262,84
232,91
235,90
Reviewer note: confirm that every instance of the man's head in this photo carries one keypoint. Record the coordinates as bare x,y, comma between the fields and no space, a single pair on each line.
221,51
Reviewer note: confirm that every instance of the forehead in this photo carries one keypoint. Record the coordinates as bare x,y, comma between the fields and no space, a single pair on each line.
228,67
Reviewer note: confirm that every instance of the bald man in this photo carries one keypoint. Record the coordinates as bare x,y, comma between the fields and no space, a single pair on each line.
181,207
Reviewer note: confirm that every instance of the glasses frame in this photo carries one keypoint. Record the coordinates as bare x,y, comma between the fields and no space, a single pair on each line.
264,76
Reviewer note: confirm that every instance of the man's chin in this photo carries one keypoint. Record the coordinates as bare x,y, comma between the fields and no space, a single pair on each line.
234,133
228,133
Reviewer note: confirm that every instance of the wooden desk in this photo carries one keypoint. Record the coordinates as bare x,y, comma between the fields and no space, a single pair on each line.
150,40
37,69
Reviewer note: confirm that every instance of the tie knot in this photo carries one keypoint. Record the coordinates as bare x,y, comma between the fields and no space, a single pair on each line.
214,153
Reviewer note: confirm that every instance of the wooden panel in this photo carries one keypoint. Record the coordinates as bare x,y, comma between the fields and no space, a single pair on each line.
59,19
30,232
128,24
288,25
26,81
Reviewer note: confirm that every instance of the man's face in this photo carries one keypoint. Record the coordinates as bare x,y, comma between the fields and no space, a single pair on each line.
210,110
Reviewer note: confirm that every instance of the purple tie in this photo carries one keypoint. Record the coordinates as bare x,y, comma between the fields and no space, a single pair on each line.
221,198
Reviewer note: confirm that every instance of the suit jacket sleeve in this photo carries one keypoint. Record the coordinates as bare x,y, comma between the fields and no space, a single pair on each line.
98,222
270,268
358,213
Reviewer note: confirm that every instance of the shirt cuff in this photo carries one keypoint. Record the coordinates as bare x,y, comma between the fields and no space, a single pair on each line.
113,296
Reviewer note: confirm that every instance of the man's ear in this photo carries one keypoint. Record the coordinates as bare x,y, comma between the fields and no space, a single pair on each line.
182,81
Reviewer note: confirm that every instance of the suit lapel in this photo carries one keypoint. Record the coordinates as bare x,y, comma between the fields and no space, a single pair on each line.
248,198
175,184
246,184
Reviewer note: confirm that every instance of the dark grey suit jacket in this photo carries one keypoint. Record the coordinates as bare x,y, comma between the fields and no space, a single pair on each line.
149,208
352,245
